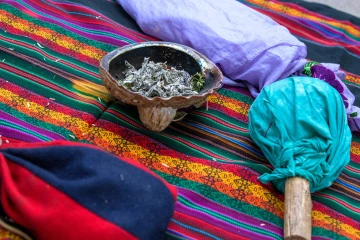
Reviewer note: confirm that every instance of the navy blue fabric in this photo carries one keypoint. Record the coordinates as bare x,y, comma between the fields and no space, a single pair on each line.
113,189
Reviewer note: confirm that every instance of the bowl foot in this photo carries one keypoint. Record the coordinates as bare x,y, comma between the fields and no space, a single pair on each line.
156,118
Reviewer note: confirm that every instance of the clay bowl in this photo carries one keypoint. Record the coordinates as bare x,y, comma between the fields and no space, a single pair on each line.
157,113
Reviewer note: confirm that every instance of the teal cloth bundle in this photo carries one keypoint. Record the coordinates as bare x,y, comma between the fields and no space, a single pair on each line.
300,125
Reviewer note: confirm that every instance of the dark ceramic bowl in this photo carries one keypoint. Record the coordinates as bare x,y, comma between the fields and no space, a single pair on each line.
157,113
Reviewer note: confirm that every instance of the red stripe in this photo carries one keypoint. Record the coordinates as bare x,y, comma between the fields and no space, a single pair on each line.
50,85
214,142
357,210
189,144
189,234
161,149
43,101
238,170
52,45
48,213
205,226
218,120
145,142
126,119
229,112
302,31
318,15
335,215
39,50
352,169
102,20
355,158
6,140
234,168
68,76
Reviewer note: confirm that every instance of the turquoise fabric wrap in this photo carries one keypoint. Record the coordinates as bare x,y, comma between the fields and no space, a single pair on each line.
300,125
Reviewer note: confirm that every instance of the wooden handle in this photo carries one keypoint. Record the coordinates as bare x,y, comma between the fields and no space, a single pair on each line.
297,212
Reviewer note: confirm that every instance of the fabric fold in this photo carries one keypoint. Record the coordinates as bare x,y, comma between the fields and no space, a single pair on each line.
80,192
300,125
251,49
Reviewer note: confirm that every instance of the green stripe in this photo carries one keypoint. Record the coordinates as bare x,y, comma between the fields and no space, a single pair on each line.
343,31
90,31
41,89
235,95
338,207
340,196
240,206
131,112
166,141
222,199
51,52
225,117
97,44
350,173
38,123
195,116
172,236
226,219
37,55
24,130
354,165
322,232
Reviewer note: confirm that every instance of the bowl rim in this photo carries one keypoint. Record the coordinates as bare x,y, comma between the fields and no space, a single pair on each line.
204,63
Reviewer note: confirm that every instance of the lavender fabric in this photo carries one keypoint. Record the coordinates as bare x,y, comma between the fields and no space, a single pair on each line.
232,35
251,49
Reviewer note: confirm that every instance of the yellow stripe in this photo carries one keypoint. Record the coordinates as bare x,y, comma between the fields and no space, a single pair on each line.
4,234
33,109
326,219
49,34
281,8
92,89
235,105
355,148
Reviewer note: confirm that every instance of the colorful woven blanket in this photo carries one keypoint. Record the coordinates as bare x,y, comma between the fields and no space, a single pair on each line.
50,90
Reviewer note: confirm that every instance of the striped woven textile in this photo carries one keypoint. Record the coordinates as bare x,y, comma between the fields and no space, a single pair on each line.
50,90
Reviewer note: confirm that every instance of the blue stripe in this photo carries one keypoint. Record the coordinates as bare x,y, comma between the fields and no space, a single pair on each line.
348,185
333,35
195,229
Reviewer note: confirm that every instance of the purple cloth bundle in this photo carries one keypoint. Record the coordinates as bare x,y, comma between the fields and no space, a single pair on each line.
251,49
232,35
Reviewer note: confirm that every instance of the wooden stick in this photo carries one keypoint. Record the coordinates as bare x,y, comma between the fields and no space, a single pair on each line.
297,212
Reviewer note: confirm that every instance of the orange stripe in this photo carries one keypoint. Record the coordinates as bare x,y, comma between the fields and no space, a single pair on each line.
223,183
48,34
285,8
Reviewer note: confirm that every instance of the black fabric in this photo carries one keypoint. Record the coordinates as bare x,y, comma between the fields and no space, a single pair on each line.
7,223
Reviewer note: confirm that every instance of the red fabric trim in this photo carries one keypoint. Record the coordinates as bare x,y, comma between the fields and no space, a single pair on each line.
48,213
